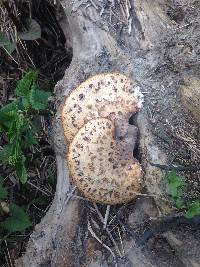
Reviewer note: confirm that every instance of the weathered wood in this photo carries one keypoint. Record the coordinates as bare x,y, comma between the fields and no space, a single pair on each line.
138,48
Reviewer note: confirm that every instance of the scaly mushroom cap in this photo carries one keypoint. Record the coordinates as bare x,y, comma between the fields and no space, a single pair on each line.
107,95
103,168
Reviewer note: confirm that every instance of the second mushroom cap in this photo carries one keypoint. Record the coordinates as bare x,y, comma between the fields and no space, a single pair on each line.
103,168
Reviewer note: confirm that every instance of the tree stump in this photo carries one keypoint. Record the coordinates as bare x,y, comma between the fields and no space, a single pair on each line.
155,43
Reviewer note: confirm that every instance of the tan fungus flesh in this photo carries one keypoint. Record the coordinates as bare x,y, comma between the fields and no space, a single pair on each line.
103,168
108,95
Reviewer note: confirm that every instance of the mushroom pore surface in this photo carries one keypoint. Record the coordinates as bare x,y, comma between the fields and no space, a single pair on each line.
103,168
106,95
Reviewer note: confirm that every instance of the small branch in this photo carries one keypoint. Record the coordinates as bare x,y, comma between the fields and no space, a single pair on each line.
99,240
108,232
14,19
106,217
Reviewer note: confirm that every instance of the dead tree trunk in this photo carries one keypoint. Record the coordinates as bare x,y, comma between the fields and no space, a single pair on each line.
155,43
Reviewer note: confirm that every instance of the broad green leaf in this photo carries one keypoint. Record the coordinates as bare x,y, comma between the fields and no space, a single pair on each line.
194,209
24,85
39,98
33,33
7,114
6,44
18,221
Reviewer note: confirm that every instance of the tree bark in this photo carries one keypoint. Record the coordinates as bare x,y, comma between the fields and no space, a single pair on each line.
141,40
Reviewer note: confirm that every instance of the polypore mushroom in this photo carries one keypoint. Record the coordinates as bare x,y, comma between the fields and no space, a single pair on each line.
102,167
107,95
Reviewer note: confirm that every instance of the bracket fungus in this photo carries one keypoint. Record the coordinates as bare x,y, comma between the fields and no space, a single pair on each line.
101,141
101,166
105,95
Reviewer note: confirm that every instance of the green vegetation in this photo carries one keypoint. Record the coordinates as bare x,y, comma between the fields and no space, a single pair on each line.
27,160
16,124
176,189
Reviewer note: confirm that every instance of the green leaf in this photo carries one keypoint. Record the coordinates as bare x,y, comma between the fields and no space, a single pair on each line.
33,33
8,113
194,209
39,98
6,44
24,85
18,221
21,171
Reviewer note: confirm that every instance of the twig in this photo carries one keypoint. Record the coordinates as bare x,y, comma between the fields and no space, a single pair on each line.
121,241
123,12
99,240
27,53
102,10
93,3
129,231
88,5
130,25
98,212
108,232
110,15
106,217
127,10
43,161
39,189
10,56
129,4
8,253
